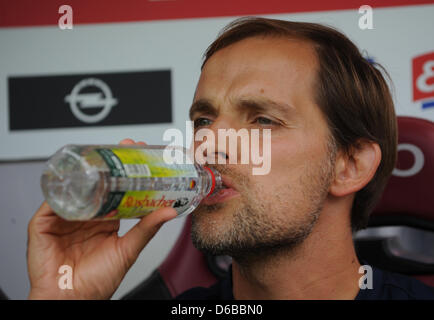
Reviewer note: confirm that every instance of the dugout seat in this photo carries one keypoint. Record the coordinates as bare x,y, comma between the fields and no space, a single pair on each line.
400,235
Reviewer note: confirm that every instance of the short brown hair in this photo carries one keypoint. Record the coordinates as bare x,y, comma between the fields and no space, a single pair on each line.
352,94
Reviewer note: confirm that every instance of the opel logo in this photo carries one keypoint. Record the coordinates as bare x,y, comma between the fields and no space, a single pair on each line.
80,101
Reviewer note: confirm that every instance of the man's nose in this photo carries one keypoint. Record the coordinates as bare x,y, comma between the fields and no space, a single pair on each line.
223,128
216,157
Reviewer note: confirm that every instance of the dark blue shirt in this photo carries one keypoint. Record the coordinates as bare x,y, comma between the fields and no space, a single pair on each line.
385,286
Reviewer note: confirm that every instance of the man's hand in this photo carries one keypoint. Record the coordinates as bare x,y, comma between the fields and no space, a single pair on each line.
99,258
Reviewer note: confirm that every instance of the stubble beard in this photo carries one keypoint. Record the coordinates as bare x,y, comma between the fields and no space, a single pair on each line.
261,226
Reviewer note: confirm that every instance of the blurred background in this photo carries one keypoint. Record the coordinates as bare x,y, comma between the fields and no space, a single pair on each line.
128,69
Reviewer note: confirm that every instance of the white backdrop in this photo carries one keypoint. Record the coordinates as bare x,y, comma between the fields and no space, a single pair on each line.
399,35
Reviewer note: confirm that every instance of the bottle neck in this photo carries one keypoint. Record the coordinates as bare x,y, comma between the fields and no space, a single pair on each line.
215,180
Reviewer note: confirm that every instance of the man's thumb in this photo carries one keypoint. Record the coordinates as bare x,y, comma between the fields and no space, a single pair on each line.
133,242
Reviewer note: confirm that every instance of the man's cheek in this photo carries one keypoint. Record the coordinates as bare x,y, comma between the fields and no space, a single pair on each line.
273,182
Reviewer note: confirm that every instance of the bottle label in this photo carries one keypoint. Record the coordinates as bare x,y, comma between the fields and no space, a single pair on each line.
173,185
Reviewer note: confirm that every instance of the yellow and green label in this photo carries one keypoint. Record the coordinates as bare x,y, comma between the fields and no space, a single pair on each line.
149,166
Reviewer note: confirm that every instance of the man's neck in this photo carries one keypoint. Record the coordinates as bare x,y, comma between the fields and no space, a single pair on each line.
324,266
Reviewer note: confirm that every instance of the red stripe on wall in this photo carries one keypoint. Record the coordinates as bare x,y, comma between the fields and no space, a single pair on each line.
15,13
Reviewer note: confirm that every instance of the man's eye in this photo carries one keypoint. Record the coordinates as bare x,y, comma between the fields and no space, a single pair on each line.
201,122
264,121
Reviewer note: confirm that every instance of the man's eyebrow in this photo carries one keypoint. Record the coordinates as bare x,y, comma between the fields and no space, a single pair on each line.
250,104
203,106
264,104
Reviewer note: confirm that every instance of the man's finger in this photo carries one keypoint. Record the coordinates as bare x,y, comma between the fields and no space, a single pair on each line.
133,242
132,142
127,141
44,210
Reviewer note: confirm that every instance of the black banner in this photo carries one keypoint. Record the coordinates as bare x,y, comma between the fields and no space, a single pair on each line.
105,99
230,310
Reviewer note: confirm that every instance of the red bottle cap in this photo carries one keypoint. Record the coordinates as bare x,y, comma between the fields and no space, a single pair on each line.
212,181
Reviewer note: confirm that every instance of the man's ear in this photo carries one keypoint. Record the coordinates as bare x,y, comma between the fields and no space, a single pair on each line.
354,171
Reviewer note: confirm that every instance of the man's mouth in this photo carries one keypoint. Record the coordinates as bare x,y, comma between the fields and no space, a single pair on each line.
227,192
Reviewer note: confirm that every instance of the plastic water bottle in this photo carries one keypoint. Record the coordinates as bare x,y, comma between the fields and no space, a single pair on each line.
83,182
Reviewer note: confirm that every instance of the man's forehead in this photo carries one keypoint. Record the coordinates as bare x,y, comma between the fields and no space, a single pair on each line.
260,60
244,74
257,49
